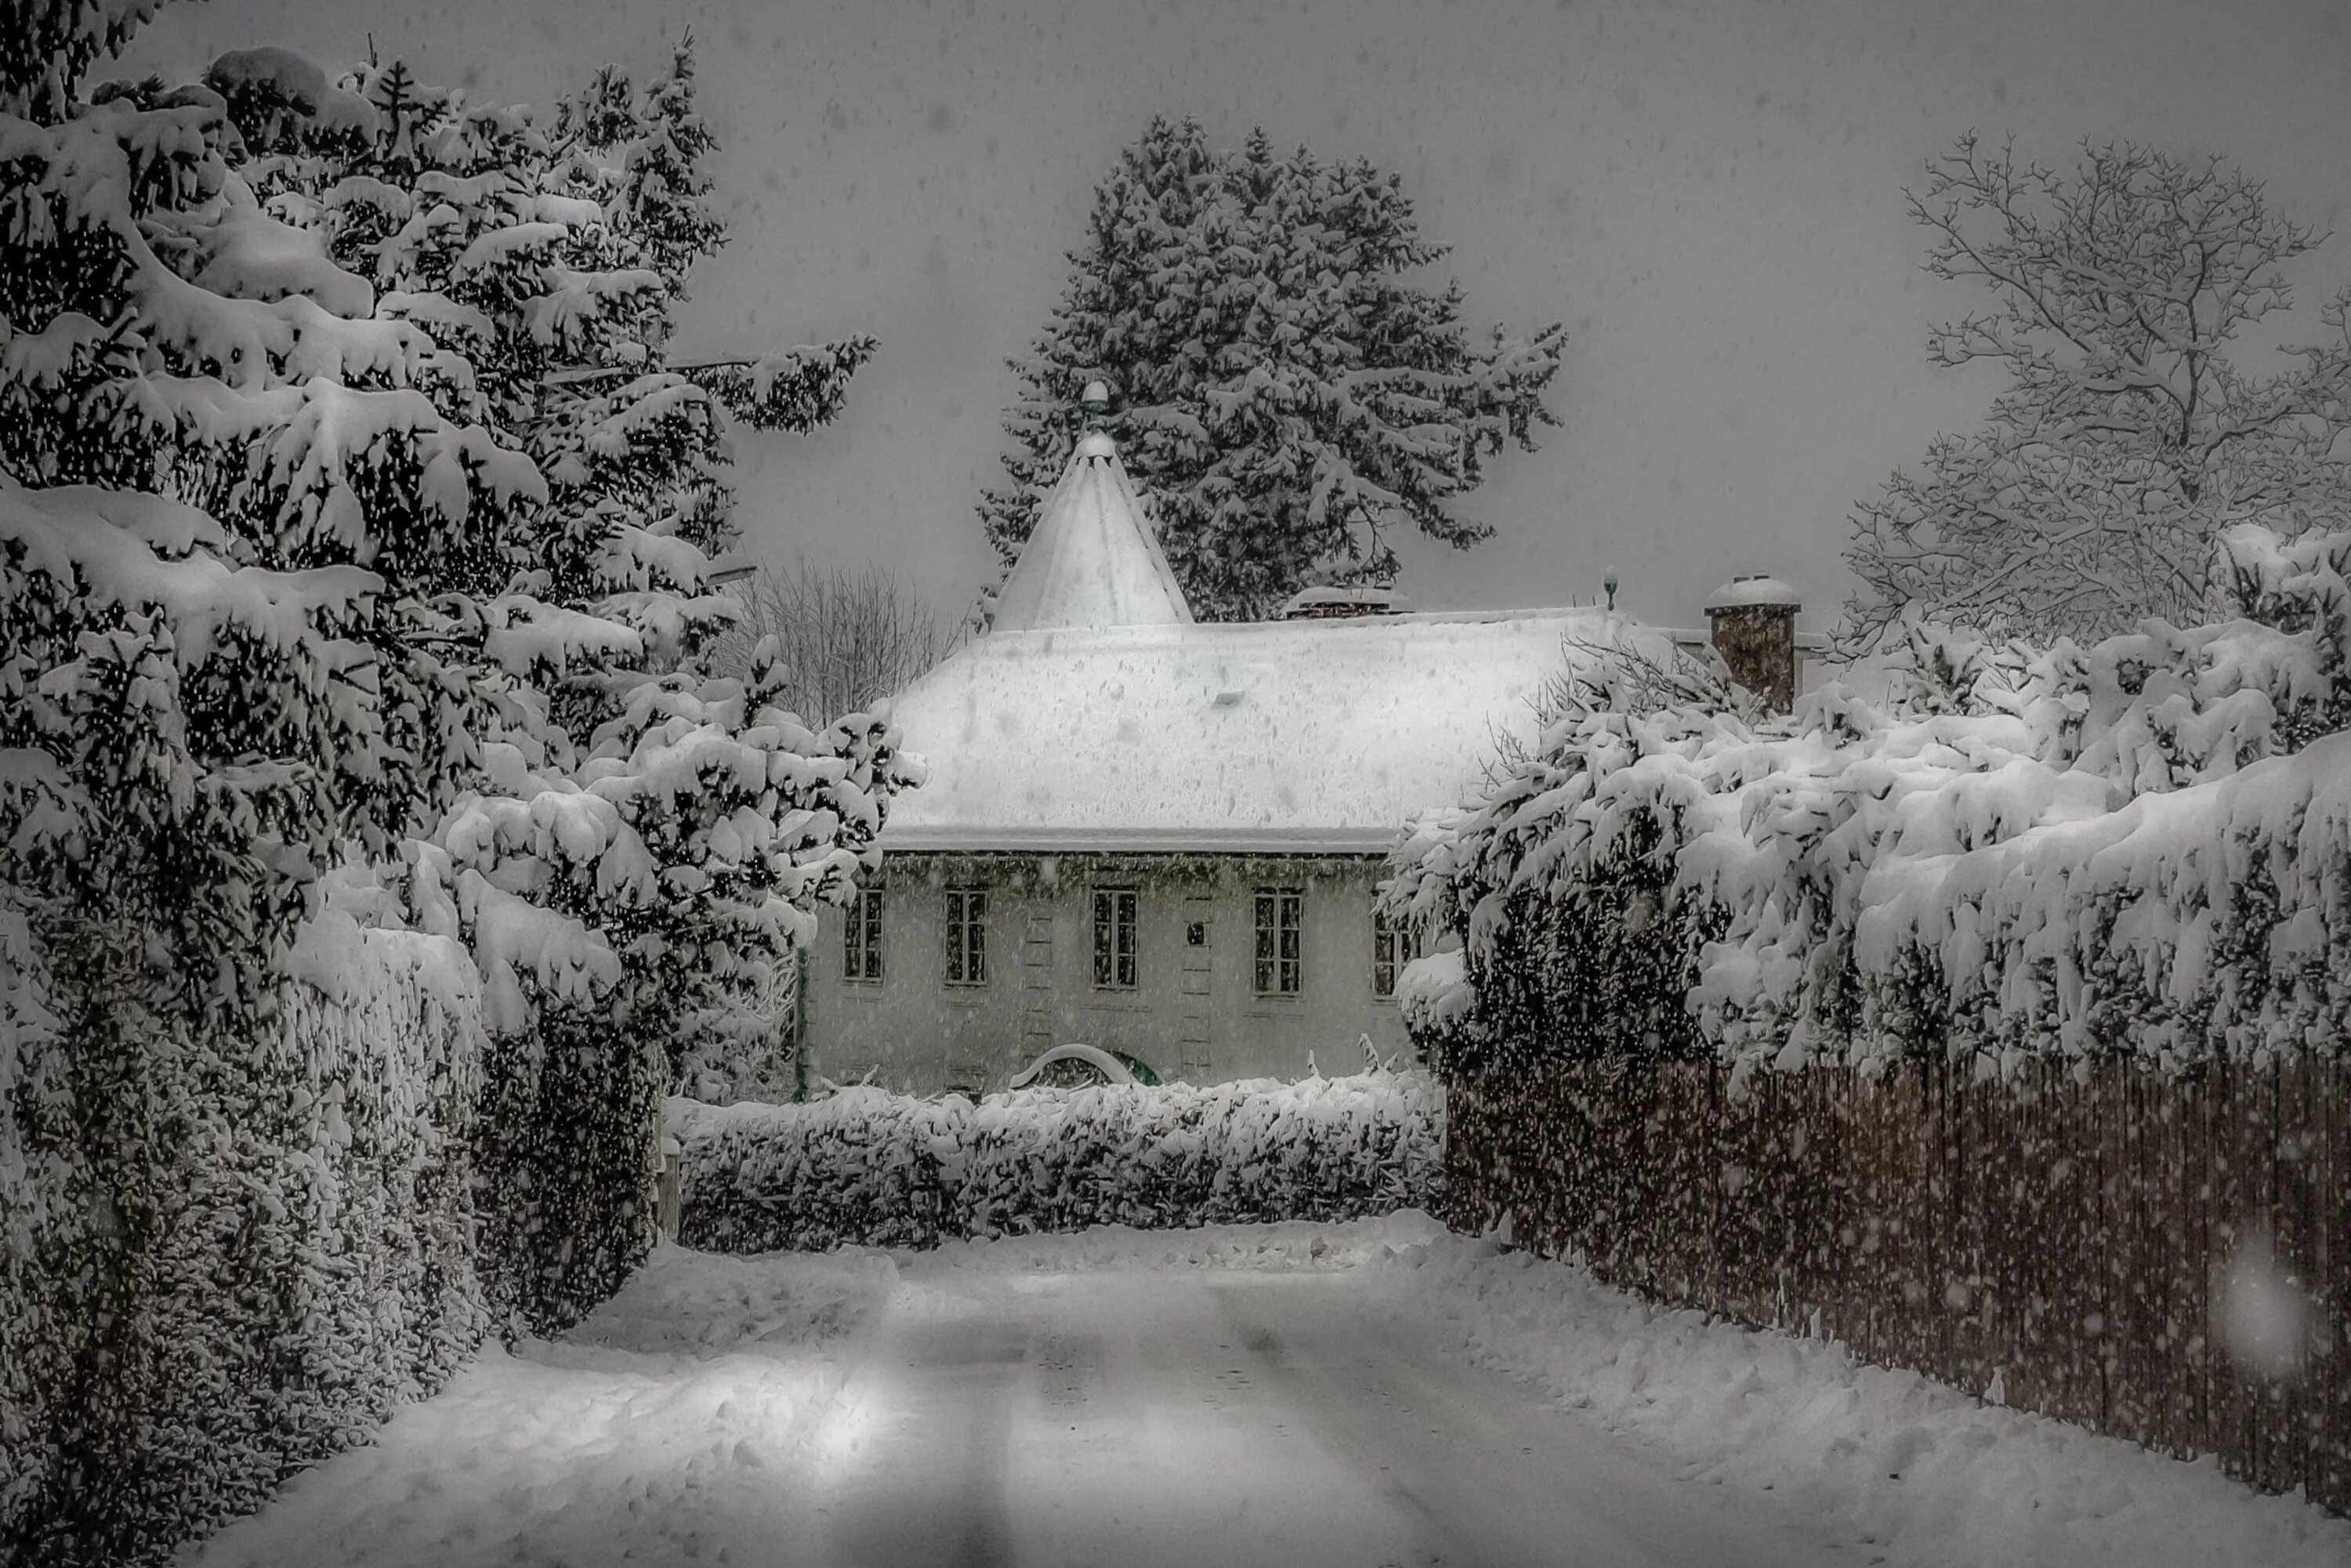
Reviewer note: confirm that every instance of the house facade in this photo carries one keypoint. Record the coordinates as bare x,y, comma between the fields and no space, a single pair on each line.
1160,837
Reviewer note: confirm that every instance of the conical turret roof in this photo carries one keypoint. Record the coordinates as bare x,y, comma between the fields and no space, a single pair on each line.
1093,559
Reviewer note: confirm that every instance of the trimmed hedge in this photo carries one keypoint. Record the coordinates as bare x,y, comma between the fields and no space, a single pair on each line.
868,1167
226,1253
2139,850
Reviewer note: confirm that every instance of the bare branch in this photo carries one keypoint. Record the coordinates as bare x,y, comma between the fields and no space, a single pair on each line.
844,637
2125,440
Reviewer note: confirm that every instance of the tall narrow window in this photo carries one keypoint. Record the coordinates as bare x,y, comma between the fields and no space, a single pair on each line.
1281,915
1393,947
860,935
1115,912
966,936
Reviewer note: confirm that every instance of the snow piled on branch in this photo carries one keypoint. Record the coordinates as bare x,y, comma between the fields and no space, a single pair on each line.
2142,847
882,1169
135,552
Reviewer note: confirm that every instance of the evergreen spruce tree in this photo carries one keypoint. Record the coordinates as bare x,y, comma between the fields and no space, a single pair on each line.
1288,397
354,534
555,256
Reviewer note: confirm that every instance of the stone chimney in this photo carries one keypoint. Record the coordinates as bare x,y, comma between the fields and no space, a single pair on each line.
1753,619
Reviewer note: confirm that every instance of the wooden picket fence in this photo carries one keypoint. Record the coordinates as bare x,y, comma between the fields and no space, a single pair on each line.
2073,1233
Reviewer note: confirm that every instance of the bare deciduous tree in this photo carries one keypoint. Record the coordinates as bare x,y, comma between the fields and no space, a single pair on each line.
845,636
2126,441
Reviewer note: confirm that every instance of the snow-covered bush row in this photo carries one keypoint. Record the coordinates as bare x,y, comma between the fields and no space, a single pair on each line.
2139,847
227,1252
881,1169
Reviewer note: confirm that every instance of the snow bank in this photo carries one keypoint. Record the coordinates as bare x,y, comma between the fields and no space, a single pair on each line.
676,1423
868,1167
1282,1246
1920,1473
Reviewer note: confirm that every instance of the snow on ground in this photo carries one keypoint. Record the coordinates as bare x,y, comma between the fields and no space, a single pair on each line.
671,1427
1919,1472
1294,1394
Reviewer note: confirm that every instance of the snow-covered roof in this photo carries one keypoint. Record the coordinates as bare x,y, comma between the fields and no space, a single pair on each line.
1746,592
1700,637
1093,559
1274,737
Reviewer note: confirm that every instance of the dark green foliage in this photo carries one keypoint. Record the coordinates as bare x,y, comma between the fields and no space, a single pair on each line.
353,529
245,1245
1286,395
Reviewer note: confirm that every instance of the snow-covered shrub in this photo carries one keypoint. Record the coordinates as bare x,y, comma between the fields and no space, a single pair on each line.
355,539
2142,847
867,1166
354,515
233,1252
1981,1027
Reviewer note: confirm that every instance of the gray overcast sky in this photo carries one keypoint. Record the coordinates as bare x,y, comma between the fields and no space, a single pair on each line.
1707,192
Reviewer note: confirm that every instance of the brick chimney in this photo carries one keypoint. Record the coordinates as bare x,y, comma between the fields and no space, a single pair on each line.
1753,619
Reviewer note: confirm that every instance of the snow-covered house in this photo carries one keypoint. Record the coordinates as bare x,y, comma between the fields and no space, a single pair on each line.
1157,836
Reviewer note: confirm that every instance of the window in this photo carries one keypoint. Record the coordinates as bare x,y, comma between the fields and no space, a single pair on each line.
1393,947
1114,911
966,936
1281,912
860,935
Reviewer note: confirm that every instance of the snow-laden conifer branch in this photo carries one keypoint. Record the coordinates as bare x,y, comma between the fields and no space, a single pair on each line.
348,503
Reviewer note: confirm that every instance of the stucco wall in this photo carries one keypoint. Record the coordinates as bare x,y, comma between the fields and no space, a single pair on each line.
1193,1014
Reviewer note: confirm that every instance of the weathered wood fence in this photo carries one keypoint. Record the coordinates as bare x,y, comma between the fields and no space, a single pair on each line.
2079,1238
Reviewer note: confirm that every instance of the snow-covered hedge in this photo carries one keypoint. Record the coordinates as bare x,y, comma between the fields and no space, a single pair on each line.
2140,848
225,1251
356,543
881,1169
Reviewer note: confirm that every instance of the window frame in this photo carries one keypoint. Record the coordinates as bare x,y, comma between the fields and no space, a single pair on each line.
1287,972
861,936
1393,947
1113,964
966,930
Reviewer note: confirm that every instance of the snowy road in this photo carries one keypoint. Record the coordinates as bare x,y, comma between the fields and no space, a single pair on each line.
1140,1418
1286,1396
